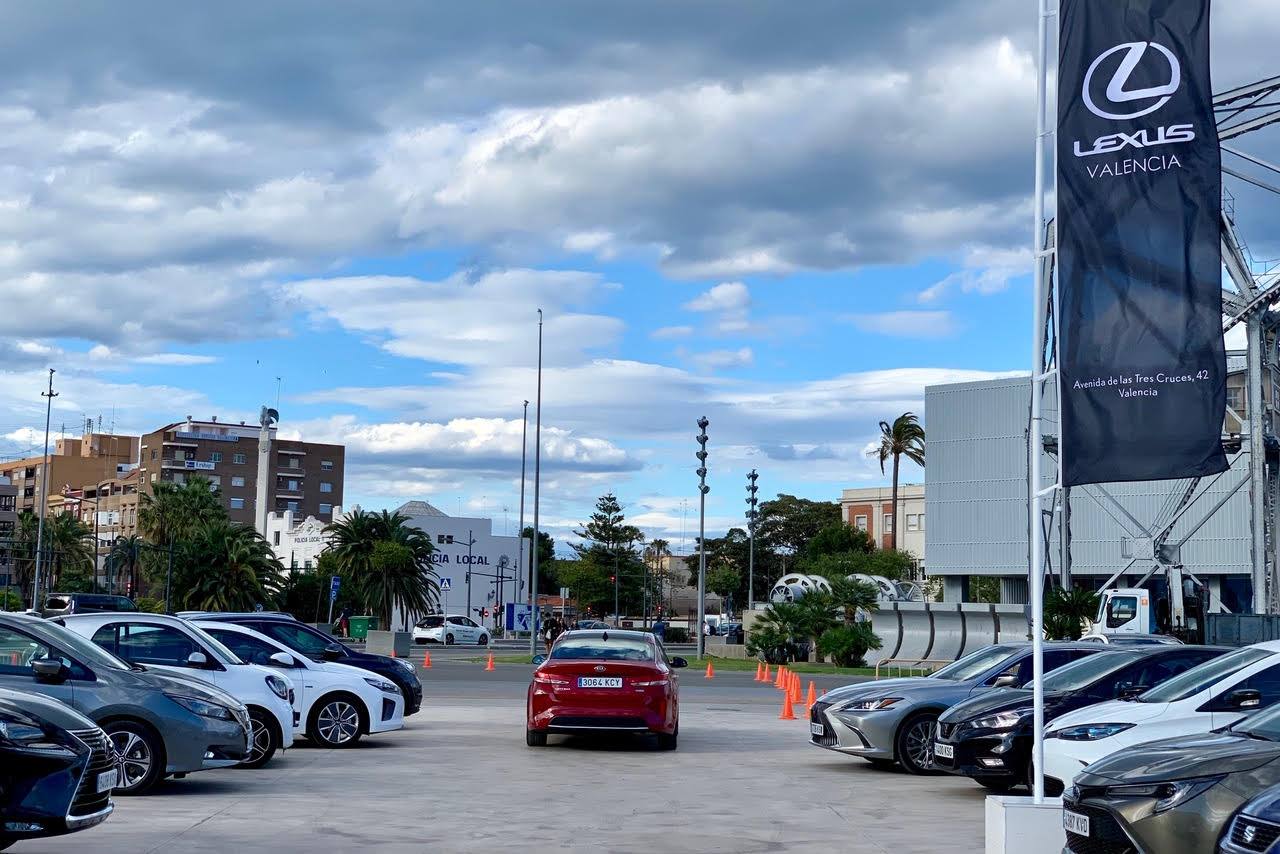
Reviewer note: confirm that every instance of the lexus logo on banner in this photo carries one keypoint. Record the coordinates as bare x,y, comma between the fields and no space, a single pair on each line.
1142,367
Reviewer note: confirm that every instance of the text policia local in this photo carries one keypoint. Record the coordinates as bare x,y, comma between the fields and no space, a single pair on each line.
1123,382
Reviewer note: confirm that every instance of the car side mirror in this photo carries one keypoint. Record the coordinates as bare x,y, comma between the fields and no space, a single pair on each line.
1245,698
49,670
677,661
539,659
282,659
332,652
197,659
1007,680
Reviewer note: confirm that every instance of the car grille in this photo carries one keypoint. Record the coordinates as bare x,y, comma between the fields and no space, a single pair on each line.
1251,834
88,800
828,737
815,713
1105,835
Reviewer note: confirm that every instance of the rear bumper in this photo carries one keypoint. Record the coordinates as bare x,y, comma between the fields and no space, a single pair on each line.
633,712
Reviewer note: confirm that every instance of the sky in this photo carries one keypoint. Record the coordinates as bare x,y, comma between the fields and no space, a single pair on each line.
790,218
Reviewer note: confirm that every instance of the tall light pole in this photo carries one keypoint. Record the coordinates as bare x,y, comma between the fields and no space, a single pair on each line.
524,447
471,541
751,538
44,490
537,478
703,489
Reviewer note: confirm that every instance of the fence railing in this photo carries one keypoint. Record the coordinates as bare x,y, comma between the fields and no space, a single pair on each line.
910,666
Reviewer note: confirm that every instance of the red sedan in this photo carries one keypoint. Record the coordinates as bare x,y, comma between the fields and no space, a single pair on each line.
605,681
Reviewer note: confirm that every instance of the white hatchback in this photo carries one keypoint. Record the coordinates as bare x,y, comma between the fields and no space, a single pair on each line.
1210,696
461,630
164,643
338,703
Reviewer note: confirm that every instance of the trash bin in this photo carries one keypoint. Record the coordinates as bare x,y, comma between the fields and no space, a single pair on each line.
360,626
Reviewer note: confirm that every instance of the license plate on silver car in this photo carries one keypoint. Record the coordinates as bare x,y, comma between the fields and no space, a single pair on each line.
944,751
599,681
107,780
1073,822
816,729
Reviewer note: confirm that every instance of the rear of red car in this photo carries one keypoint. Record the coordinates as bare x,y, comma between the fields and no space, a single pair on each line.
604,682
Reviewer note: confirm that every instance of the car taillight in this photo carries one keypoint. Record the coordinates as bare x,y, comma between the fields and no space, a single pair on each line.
650,684
548,679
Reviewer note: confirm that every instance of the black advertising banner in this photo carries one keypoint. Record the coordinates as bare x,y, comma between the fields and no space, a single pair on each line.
1143,368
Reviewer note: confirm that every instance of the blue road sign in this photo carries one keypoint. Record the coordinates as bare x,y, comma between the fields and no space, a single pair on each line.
334,582
446,584
517,617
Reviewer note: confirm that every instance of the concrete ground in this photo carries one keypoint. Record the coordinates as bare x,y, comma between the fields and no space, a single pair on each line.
460,778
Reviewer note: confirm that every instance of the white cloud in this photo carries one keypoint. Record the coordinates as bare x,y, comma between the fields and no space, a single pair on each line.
669,332
724,297
907,324
985,270
720,359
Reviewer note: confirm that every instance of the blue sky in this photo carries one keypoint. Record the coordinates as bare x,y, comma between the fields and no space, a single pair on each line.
791,221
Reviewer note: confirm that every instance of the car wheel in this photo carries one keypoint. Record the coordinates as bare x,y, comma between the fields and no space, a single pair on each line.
914,743
535,738
669,742
335,721
263,739
141,756
484,640
448,639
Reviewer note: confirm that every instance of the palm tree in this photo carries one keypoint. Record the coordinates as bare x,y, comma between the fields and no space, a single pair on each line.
228,566
903,438
387,561
173,512
24,548
853,597
66,541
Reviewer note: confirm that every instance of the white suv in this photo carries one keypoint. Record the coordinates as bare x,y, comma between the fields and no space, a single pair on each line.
461,630
338,703
164,643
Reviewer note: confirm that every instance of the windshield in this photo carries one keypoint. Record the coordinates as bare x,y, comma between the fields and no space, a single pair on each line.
974,664
85,650
216,645
1199,678
614,649
431,622
1083,673
1262,725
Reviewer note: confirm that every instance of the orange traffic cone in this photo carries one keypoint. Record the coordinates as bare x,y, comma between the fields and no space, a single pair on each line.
758,671
766,677
711,671
489,666
426,661
393,652
782,669
794,692
812,698
787,714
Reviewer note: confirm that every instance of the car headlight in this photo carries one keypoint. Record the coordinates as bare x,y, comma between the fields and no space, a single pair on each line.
1001,720
383,685
278,686
202,708
1167,795
869,705
1091,732
25,738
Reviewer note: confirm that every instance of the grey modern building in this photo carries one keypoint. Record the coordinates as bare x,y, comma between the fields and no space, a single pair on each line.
977,506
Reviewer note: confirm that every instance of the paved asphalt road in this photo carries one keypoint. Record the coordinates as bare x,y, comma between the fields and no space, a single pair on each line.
460,778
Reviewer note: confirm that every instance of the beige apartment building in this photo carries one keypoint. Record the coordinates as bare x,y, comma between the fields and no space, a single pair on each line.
304,478
72,463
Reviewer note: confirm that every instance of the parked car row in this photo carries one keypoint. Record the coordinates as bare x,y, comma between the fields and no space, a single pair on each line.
103,703
1154,747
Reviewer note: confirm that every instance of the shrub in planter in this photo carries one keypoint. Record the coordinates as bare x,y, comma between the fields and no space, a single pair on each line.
847,645
147,605
677,634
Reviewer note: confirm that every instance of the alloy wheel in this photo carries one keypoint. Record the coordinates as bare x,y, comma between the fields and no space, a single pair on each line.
259,741
134,759
338,722
919,742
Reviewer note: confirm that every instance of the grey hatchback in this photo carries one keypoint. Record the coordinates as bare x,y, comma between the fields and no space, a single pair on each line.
893,720
159,724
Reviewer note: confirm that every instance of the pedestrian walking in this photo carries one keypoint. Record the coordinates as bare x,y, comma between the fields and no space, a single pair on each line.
660,630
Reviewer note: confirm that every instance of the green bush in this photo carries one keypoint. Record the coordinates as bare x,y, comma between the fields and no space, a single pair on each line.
147,605
847,645
676,634
10,601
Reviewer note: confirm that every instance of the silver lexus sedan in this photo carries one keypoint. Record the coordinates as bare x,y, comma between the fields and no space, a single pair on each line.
893,720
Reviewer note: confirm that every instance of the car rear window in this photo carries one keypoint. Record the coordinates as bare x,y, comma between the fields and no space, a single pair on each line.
430,622
599,649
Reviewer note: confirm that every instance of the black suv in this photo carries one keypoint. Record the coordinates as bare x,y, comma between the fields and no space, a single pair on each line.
318,646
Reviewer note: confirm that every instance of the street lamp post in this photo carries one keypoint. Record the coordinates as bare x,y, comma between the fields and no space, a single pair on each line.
703,489
751,539
524,447
43,498
471,541
537,477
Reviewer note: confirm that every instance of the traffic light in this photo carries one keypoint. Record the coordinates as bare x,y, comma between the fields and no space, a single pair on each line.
612,579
